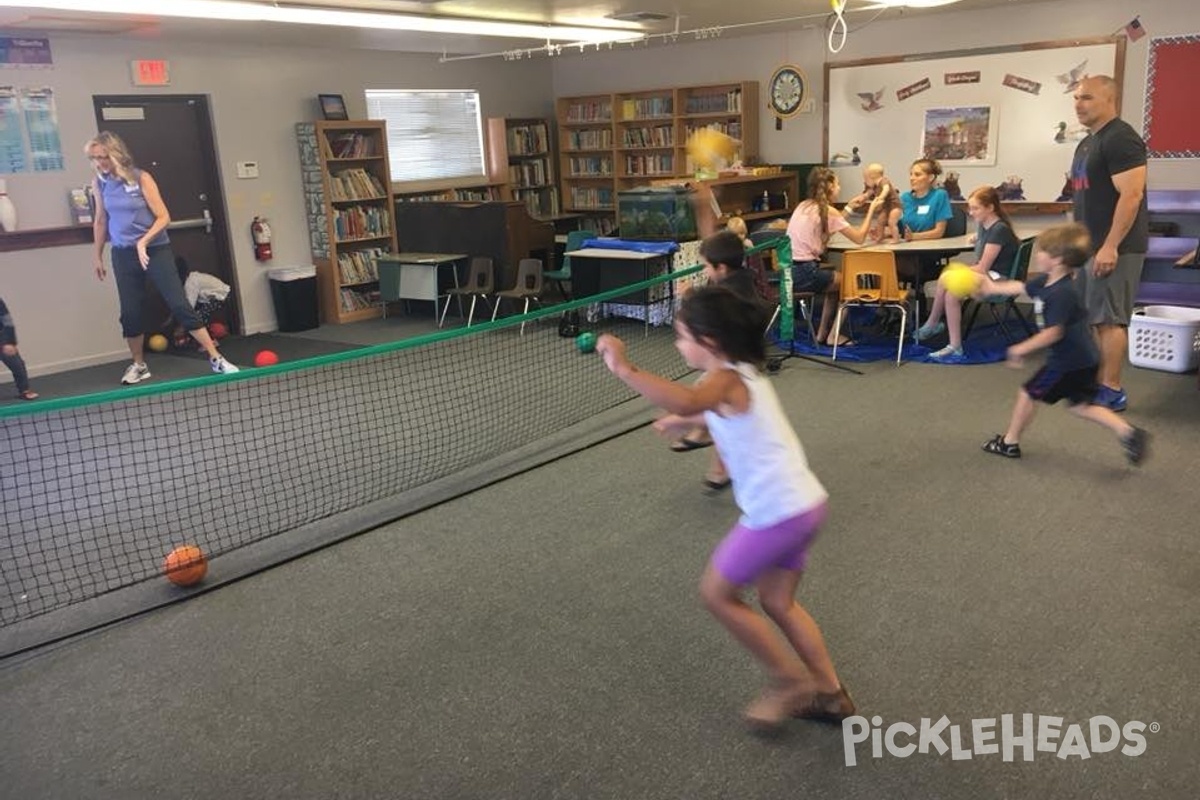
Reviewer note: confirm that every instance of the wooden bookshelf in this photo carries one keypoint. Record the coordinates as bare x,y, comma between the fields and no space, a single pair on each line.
489,191
611,142
521,154
347,191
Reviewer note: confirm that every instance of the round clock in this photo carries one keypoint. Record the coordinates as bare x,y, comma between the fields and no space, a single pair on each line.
787,89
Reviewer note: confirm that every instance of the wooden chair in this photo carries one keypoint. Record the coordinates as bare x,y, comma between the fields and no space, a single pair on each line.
869,279
528,287
1017,271
480,283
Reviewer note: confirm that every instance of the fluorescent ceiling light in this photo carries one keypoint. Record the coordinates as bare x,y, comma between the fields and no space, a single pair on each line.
915,3
256,12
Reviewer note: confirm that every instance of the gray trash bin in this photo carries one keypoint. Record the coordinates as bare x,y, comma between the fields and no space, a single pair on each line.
294,293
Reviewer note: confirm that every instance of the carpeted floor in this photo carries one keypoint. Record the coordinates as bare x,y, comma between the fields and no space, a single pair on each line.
541,638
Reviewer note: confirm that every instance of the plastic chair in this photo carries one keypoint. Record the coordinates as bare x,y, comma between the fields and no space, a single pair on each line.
1017,271
528,287
479,284
869,279
957,224
575,240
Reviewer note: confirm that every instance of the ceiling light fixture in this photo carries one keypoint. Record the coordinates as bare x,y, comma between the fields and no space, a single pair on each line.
256,12
914,3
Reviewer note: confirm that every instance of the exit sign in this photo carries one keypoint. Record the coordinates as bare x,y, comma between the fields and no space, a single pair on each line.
154,72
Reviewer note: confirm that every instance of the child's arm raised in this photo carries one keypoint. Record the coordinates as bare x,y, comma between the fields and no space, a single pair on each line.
717,389
1005,288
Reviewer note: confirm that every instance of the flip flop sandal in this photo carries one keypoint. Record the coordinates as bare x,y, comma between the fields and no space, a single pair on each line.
28,394
685,445
717,486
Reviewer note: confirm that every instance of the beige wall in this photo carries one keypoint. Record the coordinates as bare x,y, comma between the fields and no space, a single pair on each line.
65,318
756,57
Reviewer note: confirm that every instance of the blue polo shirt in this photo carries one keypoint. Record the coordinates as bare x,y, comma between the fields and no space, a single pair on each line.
921,214
129,216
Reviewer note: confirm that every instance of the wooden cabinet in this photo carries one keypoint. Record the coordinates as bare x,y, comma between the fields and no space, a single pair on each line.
346,179
610,142
756,197
521,153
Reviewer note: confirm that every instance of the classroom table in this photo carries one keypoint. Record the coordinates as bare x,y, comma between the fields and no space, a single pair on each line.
599,269
414,276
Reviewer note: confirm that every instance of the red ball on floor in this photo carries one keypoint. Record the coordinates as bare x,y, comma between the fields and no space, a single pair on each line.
217,330
265,358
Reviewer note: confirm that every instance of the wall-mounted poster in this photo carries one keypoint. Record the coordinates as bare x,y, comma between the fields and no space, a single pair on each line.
960,136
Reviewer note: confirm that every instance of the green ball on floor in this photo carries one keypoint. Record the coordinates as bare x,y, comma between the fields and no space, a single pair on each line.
586,342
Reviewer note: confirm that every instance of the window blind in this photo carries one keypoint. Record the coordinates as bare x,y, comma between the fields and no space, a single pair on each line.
432,135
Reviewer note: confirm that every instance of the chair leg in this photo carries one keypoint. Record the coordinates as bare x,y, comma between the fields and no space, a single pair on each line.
971,319
524,314
495,309
445,308
1029,331
471,313
837,326
900,341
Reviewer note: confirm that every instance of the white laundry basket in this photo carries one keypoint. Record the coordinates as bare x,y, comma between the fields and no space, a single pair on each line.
1165,338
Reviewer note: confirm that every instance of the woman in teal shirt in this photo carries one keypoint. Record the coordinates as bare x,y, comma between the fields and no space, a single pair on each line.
925,208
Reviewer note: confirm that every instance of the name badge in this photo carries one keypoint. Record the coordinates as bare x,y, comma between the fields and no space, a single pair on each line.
922,209
131,188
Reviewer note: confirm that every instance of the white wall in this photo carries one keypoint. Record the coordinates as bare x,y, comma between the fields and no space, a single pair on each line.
756,57
65,318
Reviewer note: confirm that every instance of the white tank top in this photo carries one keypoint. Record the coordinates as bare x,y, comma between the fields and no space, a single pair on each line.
771,478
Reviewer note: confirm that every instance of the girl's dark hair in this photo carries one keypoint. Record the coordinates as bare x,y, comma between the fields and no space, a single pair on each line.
736,325
724,247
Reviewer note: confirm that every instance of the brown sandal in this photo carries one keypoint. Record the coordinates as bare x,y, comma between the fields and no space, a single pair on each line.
28,394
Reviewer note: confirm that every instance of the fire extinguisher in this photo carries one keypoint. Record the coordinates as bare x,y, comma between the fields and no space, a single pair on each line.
260,232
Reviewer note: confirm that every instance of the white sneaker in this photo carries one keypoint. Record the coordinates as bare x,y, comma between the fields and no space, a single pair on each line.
219,364
135,373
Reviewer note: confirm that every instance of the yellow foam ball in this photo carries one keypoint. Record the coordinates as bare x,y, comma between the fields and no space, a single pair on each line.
960,280
707,148
157,343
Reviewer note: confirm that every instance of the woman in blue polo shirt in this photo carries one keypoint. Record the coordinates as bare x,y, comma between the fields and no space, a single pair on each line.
925,207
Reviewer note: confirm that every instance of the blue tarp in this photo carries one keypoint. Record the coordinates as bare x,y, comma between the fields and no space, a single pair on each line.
657,248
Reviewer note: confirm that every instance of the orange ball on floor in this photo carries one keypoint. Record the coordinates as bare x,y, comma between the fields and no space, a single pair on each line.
185,565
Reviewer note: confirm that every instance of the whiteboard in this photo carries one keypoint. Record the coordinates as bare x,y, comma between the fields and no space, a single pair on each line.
889,107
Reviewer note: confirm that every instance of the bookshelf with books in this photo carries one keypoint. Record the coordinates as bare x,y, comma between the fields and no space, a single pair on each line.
486,191
345,174
613,142
521,153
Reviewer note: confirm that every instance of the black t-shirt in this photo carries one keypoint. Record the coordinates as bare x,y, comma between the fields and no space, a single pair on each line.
741,282
1113,149
1060,304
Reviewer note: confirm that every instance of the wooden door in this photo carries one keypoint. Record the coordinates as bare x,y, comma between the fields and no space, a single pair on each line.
171,137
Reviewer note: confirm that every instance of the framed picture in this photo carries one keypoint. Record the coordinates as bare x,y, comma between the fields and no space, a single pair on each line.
961,136
333,106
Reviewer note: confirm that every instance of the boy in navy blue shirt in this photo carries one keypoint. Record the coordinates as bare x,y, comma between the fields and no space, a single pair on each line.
1071,367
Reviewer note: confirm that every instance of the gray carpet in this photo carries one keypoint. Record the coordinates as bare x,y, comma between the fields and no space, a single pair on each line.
541,638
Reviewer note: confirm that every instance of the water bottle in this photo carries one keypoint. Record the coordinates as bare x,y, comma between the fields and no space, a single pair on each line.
766,201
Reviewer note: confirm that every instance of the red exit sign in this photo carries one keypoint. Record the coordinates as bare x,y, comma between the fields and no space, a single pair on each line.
154,72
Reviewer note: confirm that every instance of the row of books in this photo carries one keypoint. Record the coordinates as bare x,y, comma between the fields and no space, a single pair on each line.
352,300
351,144
590,111
733,129
529,173
715,103
355,184
589,140
591,197
647,107
650,165
658,136
540,202
525,140
361,222
358,266
590,166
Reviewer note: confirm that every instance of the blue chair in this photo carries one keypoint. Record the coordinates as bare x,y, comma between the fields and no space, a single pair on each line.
1017,271
575,240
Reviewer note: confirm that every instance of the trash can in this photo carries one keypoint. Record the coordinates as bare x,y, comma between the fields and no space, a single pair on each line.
294,292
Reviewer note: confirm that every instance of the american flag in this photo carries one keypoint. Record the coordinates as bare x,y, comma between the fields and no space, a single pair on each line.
1134,30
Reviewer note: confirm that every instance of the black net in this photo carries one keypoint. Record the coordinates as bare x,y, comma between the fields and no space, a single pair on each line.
97,489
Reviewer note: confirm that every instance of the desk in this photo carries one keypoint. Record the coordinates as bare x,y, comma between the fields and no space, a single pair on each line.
414,276
598,269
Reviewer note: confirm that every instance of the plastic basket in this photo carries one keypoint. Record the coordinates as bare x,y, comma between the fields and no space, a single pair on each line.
1165,338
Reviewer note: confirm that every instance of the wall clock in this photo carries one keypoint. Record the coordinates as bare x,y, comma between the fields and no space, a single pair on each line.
787,90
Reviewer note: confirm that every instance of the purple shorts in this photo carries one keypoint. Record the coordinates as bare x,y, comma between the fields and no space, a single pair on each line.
746,553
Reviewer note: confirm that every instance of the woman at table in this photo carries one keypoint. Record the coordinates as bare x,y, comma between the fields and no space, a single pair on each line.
995,248
809,229
925,208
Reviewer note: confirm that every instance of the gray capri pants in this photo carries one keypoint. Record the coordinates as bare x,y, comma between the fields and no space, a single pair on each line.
131,288
1109,300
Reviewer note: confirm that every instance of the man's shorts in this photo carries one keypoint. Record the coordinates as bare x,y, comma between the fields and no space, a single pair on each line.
1109,300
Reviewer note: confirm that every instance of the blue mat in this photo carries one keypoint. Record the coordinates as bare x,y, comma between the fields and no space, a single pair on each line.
986,344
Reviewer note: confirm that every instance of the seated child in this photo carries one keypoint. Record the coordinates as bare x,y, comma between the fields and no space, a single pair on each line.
205,293
886,225
11,356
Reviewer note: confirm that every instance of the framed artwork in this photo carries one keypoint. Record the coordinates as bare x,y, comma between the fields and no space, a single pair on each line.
333,106
961,136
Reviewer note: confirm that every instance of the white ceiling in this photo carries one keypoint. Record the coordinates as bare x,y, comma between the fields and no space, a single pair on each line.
734,17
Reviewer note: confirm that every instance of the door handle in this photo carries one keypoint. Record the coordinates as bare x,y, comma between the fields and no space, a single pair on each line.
205,222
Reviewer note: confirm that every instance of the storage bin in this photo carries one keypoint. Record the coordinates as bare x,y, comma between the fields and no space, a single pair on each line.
294,293
1165,338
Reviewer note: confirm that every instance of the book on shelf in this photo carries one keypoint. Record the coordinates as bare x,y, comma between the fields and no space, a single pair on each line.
351,144
526,140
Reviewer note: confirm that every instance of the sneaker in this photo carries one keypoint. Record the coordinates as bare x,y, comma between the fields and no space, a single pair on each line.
1114,399
1000,447
822,707
135,373
1135,445
946,352
219,364
929,331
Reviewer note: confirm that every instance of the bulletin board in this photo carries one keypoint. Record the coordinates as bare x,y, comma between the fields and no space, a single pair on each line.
1171,126
989,116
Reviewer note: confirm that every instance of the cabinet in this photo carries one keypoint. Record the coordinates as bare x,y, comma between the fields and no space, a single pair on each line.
756,197
611,142
345,176
521,153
